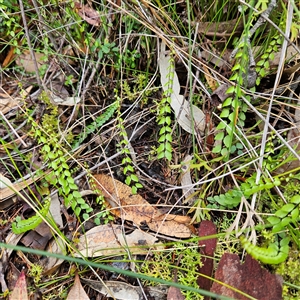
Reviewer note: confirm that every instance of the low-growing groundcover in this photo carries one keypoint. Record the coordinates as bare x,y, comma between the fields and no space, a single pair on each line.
148,117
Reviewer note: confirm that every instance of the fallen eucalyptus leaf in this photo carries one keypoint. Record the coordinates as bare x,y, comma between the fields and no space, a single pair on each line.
109,240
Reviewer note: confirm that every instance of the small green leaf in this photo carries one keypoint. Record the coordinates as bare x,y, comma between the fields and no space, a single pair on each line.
221,126
219,136
168,156
227,102
225,113
227,141
134,178
230,90
273,220
234,77
134,190
217,149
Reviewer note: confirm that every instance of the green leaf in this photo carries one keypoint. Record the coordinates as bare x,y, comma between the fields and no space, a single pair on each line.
227,141
225,113
224,152
219,136
295,214
234,77
236,67
128,180
273,220
216,149
230,90
285,221
168,155
295,199
134,190
134,178
227,102
221,126
285,209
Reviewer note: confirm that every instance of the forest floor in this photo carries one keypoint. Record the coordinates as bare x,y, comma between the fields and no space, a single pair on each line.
149,150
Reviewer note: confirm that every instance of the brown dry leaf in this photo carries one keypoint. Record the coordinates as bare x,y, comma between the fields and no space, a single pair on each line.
9,57
207,249
88,14
20,290
12,190
108,239
249,278
174,293
7,103
221,29
24,60
136,209
77,291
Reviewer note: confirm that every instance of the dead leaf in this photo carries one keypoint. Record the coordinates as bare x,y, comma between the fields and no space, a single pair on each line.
116,289
9,57
189,117
50,263
124,291
8,192
186,180
25,61
55,210
220,95
207,248
88,14
136,209
212,83
68,101
7,103
249,278
77,291
174,293
221,29
109,240
20,290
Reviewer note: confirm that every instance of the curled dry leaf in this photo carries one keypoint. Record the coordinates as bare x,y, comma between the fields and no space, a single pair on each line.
135,208
109,240
88,14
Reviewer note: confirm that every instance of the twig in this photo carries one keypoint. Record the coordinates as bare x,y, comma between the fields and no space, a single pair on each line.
36,68
13,130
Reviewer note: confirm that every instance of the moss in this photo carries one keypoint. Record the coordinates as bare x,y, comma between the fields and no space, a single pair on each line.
182,257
